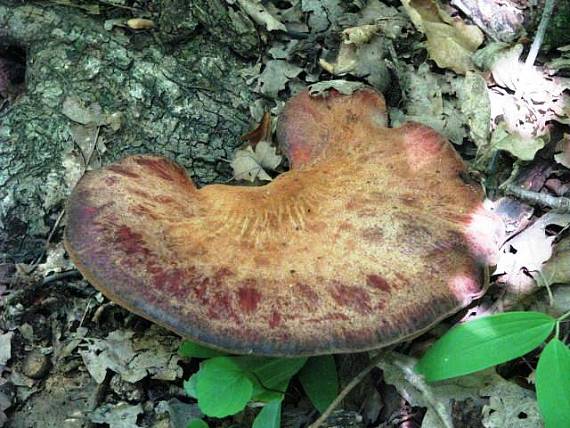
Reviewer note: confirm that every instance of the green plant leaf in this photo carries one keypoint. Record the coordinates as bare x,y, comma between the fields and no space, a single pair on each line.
553,384
269,416
189,349
197,423
320,381
222,387
270,376
483,343
190,385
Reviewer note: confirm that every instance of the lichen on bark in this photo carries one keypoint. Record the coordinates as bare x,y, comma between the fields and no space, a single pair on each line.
180,95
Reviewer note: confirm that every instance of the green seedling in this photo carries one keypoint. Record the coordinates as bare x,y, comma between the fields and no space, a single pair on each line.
224,385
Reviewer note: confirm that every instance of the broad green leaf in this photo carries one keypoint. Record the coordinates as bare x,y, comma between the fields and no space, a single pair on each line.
190,385
197,423
485,342
189,349
270,376
222,387
320,381
269,416
553,384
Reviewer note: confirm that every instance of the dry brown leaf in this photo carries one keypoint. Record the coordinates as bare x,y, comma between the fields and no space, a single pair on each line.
261,133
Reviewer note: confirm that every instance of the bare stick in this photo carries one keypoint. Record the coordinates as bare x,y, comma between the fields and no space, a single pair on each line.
539,36
558,203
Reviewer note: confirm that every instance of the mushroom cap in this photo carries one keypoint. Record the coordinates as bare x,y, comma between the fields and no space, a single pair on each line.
371,238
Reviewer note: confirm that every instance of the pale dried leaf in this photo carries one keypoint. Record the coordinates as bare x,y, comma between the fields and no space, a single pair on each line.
345,87
74,109
521,258
56,261
250,165
450,42
132,358
321,13
476,107
113,353
563,156
275,76
257,11
399,370
5,347
360,35
506,398
390,20
361,54
523,148
266,156
121,415
557,269
430,101
510,406
527,98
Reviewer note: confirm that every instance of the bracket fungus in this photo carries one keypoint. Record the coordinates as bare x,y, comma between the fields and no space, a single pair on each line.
370,239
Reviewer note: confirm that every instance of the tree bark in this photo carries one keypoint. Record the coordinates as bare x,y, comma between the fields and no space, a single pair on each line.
176,90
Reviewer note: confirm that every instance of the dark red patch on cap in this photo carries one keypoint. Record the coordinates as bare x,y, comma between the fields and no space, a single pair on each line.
376,281
121,170
131,243
354,297
220,307
307,293
173,281
274,319
248,298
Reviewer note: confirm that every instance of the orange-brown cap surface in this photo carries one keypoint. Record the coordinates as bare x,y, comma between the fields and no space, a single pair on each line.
371,238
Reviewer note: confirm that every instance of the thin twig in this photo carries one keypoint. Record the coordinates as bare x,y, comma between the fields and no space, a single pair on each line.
539,36
93,146
54,228
558,203
351,385
61,275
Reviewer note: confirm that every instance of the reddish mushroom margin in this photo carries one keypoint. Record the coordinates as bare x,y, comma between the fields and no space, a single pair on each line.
370,239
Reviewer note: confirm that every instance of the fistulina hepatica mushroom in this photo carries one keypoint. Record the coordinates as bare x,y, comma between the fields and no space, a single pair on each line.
370,239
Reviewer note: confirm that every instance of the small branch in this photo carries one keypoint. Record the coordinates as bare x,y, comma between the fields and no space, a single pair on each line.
61,275
539,36
558,203
349,387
